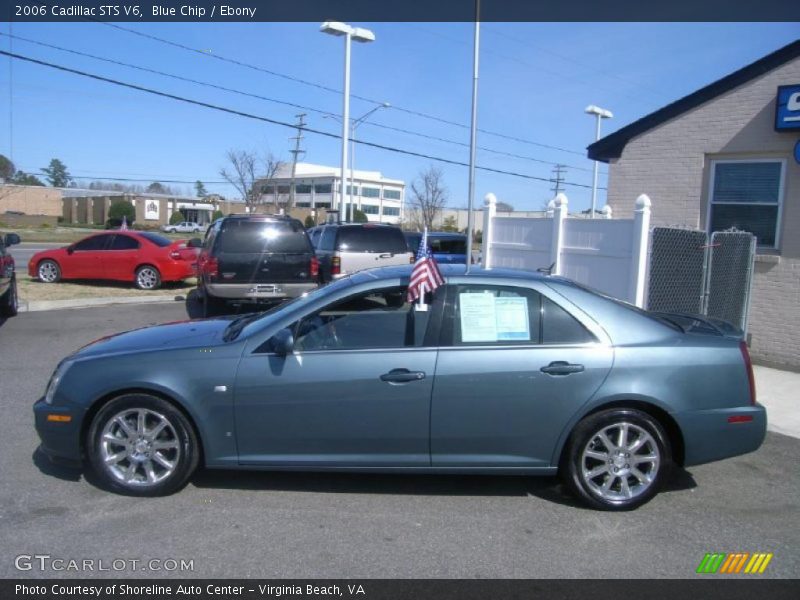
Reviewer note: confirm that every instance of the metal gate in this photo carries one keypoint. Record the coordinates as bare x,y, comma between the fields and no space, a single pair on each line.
690,275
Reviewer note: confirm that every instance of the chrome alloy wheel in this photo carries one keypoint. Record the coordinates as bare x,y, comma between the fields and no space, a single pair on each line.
48,271
620,462
147,278
139,447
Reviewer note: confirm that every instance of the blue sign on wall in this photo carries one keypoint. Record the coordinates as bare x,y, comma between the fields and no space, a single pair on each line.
787,108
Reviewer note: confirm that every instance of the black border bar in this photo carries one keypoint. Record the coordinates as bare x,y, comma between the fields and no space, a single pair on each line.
401,10
711,587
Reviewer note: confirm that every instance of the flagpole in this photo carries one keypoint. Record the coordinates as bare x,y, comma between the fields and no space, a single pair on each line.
421,306
473,134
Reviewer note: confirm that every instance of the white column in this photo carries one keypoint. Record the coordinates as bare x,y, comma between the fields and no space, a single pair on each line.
641,239
489,212
560,203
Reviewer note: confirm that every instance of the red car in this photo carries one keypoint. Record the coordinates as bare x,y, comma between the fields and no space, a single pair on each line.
145,258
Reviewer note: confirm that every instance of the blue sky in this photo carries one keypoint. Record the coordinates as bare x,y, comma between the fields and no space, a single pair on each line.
535,81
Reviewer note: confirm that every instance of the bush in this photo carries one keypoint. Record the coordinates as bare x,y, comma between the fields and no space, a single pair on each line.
45,226
359,216
218,214
177,217
120,209
309,222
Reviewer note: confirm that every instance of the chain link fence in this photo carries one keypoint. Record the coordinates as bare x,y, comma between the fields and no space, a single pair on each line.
690,275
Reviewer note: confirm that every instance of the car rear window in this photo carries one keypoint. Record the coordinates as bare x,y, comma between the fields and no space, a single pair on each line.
371,239
256,237
158,240
448,245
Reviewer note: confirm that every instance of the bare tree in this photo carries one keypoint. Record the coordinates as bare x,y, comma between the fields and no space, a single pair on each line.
249,174
428,197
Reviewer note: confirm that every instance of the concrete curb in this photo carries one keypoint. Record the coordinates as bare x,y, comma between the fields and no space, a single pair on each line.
40,305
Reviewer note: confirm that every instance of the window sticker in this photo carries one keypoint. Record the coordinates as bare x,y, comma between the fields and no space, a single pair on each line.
478,317
511,316
487,318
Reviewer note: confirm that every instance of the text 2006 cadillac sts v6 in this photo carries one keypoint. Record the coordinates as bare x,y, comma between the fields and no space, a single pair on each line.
507,372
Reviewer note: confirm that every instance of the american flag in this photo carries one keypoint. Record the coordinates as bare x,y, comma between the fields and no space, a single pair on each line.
425,277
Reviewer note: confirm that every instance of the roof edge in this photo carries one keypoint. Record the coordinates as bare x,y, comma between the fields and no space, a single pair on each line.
612,145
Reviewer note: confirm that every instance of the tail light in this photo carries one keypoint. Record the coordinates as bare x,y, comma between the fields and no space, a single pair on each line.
336,265
210,267
748,365
175,255
411,259
314,267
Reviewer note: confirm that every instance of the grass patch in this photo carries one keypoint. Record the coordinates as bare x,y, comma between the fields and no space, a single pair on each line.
33,290
67,235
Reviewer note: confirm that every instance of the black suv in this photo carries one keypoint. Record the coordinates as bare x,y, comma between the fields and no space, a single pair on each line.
8,279
255,258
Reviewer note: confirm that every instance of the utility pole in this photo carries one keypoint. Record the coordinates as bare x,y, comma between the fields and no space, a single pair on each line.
301,123
558,171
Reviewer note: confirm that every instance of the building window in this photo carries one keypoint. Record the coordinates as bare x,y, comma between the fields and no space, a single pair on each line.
369,209
267,189
322,204
284,189
302,188
368,192
354,192
391,211
322,188
391,194
302,204
747,194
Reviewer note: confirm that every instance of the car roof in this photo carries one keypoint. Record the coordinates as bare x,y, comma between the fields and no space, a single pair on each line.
438,234
452,270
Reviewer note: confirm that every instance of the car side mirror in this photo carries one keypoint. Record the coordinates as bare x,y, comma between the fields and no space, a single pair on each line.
11,239
282,343
194,243
71,249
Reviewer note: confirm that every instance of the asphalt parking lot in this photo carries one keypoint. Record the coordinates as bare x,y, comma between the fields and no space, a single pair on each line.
252,524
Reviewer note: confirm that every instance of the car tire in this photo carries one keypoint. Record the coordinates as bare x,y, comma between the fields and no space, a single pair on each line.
617,459
147,278
212,306
9,303
157,450
48,271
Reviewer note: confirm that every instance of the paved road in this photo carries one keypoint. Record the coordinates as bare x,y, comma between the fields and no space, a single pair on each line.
22,253
336,525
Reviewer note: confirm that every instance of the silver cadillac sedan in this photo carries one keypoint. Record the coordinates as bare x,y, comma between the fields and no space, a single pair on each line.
503,372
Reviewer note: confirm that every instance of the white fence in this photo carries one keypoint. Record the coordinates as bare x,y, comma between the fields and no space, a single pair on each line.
607,254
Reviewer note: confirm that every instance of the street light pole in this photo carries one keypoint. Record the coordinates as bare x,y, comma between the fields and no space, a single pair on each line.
600,114
359,35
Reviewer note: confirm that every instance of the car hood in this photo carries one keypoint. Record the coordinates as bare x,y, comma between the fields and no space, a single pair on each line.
182,334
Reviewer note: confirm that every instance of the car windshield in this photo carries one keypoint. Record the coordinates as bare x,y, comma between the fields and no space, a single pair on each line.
448,245
158,240
256,237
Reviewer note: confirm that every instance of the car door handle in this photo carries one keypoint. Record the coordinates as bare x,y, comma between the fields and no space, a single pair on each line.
561,367
402,376
385,255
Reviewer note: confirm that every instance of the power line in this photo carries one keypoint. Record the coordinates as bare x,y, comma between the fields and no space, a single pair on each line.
330,89
276,121
282,102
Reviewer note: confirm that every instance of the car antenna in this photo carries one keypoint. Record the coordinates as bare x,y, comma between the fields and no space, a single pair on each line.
546,270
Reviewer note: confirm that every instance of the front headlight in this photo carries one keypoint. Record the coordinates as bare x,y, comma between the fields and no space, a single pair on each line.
58,374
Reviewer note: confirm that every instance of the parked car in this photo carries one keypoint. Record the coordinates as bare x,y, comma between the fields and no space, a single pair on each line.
507,372
184,227
446,247
255,258
345,248
145,258
8,279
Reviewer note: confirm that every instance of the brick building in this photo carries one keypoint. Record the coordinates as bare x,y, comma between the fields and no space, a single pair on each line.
727,155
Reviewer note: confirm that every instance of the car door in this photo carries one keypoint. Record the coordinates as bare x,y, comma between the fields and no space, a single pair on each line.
86,259
514,366
6,267
121,258
355,392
